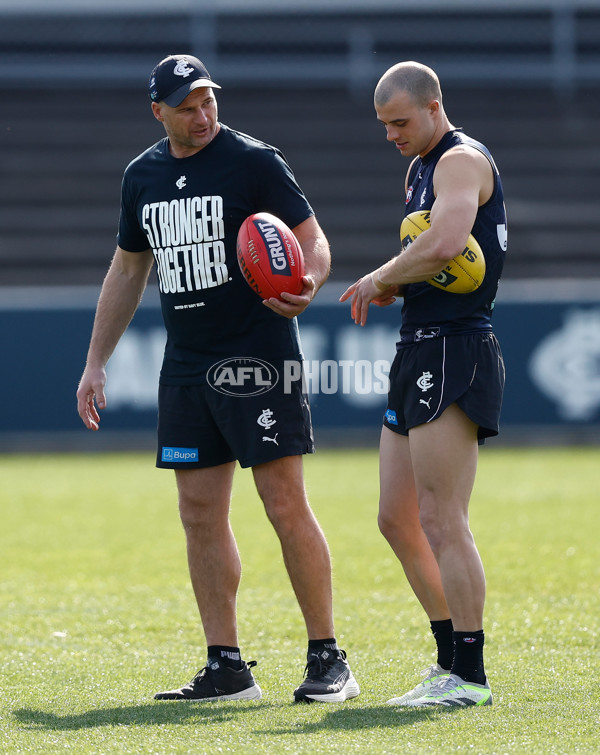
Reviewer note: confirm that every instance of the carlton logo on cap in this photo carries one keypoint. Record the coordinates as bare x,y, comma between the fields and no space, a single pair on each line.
165,83
182,69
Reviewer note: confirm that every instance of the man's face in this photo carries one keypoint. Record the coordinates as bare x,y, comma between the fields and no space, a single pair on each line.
191,125
410,126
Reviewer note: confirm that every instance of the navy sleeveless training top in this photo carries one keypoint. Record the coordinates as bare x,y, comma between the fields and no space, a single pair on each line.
432,310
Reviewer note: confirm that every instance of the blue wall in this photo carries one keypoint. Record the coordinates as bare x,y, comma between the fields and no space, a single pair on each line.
551,349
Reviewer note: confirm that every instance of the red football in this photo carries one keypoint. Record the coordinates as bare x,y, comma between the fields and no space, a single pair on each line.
269,256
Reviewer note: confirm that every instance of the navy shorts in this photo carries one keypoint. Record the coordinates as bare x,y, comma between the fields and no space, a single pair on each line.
199,426
429,375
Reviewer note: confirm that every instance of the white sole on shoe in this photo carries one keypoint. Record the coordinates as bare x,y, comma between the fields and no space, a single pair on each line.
348,691
250,693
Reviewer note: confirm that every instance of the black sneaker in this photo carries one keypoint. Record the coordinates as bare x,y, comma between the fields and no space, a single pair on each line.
328,679
217,682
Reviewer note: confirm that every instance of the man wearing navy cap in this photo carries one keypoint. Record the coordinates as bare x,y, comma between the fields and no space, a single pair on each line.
183,201
171,84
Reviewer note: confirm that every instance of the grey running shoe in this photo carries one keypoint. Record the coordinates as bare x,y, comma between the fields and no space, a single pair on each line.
453,692
430,676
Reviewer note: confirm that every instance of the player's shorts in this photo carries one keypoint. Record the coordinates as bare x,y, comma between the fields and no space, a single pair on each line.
429,375
198,426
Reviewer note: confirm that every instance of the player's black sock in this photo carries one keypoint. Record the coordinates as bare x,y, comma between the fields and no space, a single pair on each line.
442,631
317,645
468,656
228,656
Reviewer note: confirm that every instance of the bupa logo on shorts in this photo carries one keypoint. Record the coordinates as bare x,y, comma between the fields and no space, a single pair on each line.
242,376
390,416
276,246
172,454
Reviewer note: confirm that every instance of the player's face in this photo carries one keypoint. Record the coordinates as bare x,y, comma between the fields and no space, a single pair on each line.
191,125
410,126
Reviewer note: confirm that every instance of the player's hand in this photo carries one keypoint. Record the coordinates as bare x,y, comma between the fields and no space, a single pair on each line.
386,298
365,292
90,397
293,304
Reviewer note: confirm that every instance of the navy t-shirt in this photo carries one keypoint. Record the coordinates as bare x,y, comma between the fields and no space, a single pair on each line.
427,307
188,211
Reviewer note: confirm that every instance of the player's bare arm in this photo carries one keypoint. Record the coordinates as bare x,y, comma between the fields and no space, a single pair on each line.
463,181
119,298
317,260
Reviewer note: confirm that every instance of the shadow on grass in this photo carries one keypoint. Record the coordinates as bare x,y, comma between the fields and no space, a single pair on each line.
150,714
157,714
355,719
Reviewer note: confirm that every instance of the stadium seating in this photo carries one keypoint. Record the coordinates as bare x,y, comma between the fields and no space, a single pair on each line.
75,112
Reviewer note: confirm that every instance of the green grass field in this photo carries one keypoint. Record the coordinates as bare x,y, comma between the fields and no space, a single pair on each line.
97,613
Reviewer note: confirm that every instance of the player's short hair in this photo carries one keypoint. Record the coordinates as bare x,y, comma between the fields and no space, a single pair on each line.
420,81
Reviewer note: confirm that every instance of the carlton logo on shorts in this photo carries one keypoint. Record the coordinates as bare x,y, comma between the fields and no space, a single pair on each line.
242,376
170,453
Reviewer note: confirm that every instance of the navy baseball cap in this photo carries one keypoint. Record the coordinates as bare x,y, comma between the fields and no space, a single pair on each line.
175,77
